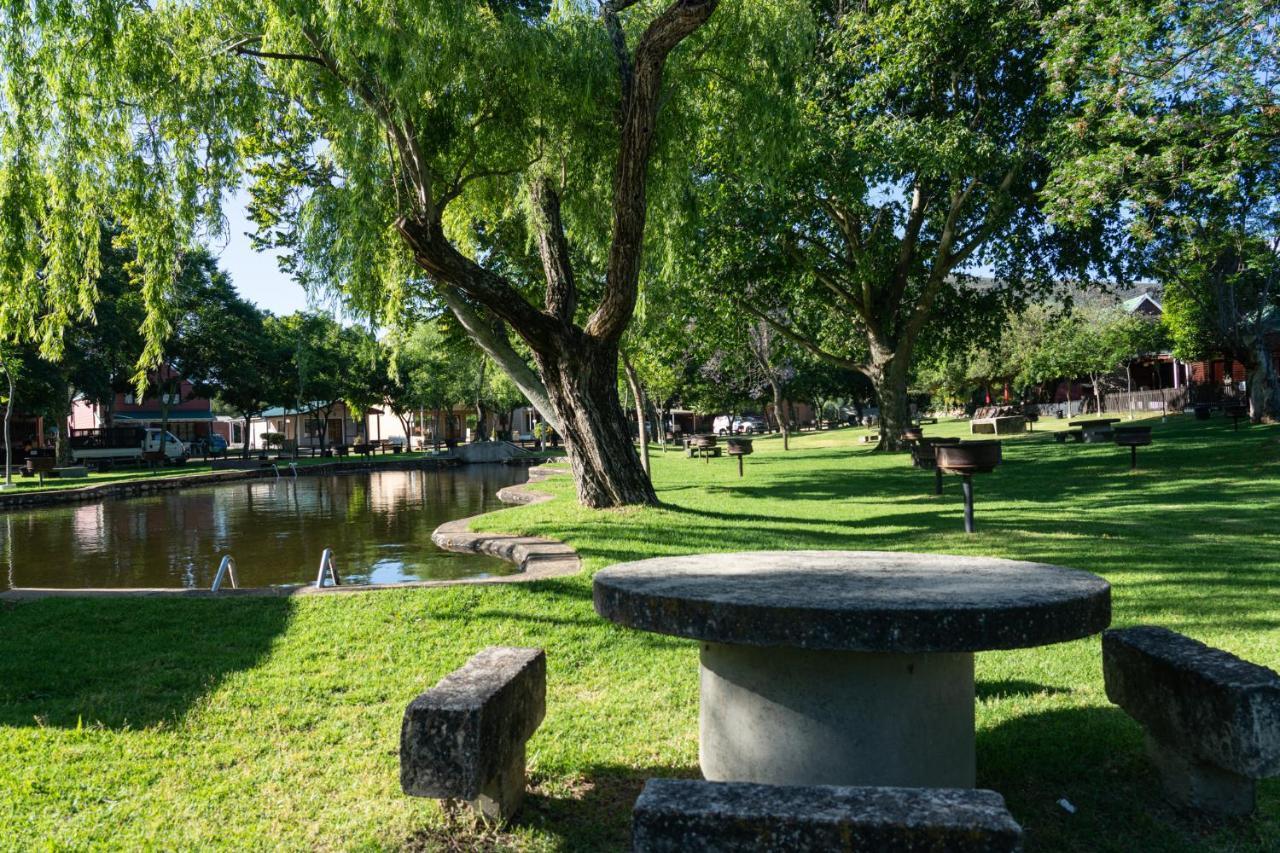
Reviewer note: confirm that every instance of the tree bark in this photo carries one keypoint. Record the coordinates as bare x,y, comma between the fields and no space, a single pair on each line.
495,344
62,445
887,371
583,386
8,412
778,416
637,394
1264,387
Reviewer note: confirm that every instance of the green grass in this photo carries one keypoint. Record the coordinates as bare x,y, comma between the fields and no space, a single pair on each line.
251,724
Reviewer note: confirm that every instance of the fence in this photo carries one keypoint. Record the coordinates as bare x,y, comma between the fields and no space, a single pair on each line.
1158,400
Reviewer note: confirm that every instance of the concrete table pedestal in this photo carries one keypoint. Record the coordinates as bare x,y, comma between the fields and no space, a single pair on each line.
846,667
801,717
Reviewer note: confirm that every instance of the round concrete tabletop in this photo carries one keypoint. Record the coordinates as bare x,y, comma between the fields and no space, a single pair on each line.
873,601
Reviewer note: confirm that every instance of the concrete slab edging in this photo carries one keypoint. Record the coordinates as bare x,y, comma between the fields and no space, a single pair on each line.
537,558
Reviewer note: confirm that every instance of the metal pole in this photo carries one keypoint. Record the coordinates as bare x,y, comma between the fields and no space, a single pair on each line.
1133,457
937,479
967,484
739,465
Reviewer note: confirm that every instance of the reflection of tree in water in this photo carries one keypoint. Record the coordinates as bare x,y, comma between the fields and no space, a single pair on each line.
378,524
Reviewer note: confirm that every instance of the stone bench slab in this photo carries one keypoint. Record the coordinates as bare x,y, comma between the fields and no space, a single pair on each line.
1212,720
727,817
1222,709
465,738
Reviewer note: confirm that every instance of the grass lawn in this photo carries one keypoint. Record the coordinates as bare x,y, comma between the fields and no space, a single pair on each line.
251,724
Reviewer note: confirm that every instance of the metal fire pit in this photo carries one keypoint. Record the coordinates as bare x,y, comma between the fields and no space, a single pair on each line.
966,459
924,455
704,443
1236,411
1133,437
739,447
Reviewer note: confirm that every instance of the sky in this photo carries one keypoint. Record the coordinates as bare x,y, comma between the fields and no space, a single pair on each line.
255,274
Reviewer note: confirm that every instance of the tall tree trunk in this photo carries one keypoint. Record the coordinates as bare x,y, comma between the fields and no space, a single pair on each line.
62,446
582,381
637,394
244,450
662,425
778,415
888,374
8,413
1264,387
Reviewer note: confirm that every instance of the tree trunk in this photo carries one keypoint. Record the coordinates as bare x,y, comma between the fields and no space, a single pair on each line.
637,393
662,425
1264,388
8,412
244,451
783,426
888,374
498,348
62,446
582,382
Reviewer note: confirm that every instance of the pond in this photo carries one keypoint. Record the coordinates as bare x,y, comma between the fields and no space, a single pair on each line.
378,524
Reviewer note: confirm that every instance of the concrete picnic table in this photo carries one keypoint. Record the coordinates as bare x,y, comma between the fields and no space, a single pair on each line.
847,667
1095,430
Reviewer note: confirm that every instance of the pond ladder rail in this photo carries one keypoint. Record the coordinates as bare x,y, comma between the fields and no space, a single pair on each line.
226,569
327,567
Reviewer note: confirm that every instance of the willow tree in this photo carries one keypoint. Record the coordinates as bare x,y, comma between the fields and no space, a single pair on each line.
404,141
926,132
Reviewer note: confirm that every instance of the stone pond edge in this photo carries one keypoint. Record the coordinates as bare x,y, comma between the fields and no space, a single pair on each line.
538,559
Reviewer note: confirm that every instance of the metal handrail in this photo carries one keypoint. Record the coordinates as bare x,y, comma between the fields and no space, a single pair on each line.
227,568
327,566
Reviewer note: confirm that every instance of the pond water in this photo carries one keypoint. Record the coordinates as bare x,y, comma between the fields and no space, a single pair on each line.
378,524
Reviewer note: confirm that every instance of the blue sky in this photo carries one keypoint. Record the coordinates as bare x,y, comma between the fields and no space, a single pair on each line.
255,274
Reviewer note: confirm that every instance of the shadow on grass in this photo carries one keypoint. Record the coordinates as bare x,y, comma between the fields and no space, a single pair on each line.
590,811
113,663
1010,687
1093,758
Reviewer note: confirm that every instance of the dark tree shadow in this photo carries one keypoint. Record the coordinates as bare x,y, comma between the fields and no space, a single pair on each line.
1093,758
110,662
1010,687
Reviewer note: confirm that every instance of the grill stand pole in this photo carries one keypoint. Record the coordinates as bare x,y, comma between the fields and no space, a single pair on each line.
1133,457
937,480
739,465
966,483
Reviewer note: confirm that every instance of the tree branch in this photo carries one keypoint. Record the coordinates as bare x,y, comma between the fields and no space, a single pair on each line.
553,248
640,101
796,338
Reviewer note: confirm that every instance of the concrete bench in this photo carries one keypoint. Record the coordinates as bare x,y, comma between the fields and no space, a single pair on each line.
1076,435
1212,720
1002,425
726,817
464,739
71,472
693,452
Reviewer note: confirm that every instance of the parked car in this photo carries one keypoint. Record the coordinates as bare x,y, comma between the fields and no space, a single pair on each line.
209,445
746,424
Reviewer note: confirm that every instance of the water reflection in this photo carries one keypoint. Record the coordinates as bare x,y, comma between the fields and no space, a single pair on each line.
378,524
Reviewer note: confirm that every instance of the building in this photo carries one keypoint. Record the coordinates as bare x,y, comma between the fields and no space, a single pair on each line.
312,426
190,416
